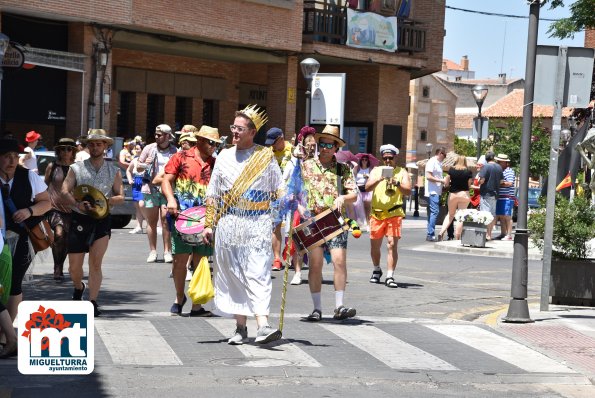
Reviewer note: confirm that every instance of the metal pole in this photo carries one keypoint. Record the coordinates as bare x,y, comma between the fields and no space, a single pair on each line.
518,309
308,94
479,132
552,177
416,201
1,77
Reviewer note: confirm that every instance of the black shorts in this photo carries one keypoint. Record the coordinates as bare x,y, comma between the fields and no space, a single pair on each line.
85,230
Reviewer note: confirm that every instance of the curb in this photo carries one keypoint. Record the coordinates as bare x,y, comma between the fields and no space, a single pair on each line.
482,251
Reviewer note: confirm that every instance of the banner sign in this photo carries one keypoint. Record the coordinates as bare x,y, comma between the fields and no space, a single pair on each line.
371,31
328,98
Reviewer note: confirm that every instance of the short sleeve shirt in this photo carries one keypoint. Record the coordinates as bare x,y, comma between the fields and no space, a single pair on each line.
284,156
321,183
508,176
492,173
434,167
192,177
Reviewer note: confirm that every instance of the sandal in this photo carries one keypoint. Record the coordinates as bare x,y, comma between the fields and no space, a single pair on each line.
344,313
390,282
315,316
376,275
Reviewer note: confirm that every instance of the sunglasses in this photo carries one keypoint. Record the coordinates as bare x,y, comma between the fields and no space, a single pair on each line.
326,145
388,158
210,142
240,129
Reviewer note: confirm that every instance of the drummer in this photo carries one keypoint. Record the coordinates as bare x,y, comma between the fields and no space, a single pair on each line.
187,175
88,234
329,184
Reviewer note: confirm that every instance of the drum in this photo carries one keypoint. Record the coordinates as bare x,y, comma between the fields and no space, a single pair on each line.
190,225
318,230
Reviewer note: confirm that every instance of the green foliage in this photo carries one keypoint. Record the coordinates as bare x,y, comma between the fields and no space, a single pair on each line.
465,147
581,17
574,227
508,140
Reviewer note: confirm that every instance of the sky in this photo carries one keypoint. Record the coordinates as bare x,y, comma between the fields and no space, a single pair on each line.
496,44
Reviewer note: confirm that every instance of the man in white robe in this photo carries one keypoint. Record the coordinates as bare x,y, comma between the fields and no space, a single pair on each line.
245,180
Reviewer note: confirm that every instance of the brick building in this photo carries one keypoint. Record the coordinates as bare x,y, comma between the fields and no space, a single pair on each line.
127,65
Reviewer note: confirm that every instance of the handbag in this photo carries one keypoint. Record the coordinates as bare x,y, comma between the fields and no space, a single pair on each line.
200,288
41,235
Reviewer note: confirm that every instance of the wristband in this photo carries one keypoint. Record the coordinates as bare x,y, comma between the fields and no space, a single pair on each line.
30,211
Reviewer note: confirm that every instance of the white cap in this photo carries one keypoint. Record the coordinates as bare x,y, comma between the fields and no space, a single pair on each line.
481,160
164,128
389,148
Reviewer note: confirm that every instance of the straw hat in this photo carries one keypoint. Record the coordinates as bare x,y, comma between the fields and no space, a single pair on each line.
208,132
187,136
330,132
502,158
69,142
96,135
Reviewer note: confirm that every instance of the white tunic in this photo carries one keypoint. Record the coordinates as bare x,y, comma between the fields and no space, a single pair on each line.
243,251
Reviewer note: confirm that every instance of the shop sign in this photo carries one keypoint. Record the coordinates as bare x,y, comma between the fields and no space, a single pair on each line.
13,58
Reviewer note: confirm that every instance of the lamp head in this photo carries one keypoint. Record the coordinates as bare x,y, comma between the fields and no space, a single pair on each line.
309,68
4,42
479,94
429,147
565,135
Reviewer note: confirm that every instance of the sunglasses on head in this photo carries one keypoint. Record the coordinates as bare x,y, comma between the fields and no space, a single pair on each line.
326,145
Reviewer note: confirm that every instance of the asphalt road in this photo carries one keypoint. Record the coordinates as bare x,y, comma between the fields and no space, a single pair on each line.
423,339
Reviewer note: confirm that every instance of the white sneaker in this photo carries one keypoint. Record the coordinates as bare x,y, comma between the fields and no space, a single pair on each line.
266,334
297,279
167,257
152,256
137,230
159,231
239,337
188,275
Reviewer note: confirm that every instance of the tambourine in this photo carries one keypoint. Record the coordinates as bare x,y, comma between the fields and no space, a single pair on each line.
99,208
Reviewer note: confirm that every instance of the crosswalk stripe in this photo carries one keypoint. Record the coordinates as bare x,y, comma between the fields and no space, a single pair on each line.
286,353
501,348
135,343
388,349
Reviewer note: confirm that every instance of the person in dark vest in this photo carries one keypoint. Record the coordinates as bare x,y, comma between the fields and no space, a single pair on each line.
25,199
90,235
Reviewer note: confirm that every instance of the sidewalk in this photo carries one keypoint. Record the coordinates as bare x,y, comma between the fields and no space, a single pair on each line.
564,333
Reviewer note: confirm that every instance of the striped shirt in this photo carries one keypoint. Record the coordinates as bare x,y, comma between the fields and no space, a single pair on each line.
508,176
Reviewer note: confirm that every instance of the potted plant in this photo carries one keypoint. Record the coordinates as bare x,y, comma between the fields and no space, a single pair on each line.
572,273
475,224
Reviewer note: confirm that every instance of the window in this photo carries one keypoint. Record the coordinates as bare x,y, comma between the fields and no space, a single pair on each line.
425,92
423,135
183,112
155,114
125,125
210,112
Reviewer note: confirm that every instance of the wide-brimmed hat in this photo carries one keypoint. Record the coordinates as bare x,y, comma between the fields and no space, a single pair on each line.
208,132
330,132
502,158
32,136
96,135
187,136
9,145
188,128
69,142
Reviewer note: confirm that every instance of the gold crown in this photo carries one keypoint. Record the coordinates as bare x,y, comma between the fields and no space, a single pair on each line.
257,115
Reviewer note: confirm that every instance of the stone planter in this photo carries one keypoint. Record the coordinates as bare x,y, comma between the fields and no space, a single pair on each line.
572,282
474,234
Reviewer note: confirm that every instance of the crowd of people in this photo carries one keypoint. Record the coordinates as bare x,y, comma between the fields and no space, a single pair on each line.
250,193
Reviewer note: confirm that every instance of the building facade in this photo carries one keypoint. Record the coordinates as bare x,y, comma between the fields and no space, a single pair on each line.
127,65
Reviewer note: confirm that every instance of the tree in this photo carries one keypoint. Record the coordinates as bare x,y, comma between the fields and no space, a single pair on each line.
507,140
465,147
582,16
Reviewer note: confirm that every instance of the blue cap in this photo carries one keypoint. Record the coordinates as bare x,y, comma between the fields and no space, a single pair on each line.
272,135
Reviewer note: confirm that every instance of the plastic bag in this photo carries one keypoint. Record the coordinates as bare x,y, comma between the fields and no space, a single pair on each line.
201,288
5,274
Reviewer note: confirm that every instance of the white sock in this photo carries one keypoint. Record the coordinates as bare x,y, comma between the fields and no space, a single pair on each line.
389,274
377,268
339,298
317,300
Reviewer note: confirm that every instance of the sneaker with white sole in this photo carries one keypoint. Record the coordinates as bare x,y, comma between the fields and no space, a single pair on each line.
137,230
167,257
188,275
152,256
239,337
297,279
267,334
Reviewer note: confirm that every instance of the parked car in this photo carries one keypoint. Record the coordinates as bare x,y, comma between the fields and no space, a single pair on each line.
121,214
532,200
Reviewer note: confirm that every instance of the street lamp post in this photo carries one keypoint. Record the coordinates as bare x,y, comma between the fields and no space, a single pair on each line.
429,147
309,68
479,93
4,42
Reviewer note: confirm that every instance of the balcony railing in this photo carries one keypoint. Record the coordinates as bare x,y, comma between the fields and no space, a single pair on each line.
324,22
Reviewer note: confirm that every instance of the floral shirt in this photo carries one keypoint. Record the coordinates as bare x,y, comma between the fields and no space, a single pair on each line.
192,177
321,183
